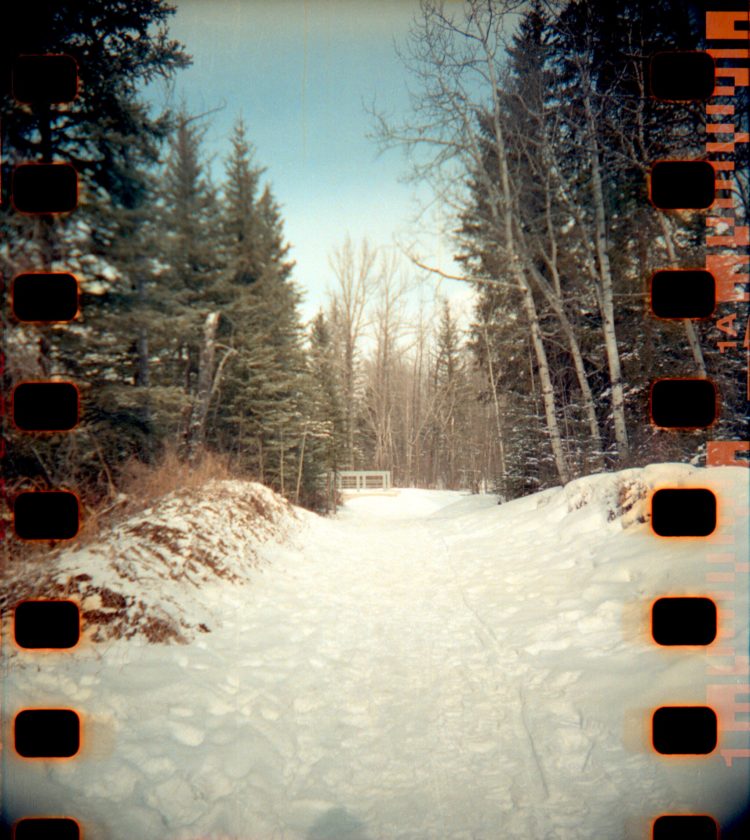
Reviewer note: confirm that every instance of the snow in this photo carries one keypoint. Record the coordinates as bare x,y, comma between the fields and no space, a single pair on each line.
145,576
428,665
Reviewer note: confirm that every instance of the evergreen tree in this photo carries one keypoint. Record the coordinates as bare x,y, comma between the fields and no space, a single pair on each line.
262,415
325,413
188,287
113,141
451,397
118,48
499,342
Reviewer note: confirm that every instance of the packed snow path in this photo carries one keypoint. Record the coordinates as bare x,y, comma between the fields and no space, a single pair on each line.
426,666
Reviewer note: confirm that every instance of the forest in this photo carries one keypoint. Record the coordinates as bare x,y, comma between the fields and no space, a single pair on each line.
534,126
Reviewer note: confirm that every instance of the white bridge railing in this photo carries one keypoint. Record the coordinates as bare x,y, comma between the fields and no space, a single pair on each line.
356,481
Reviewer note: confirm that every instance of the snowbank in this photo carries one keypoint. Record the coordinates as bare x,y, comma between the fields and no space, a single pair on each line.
156,574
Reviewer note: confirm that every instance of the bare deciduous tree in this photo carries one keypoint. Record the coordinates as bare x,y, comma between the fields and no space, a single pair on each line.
458,59
354,271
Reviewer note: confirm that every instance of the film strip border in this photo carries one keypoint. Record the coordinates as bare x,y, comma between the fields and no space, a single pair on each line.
717,290
727,258
47,187
43,189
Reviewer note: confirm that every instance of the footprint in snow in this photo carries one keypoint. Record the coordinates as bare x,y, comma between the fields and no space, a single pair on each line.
338,823
186,734
181,712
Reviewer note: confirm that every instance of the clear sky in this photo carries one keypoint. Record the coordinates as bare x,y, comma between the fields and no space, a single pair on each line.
300,73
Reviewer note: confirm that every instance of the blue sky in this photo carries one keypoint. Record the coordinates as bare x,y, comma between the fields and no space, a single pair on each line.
300,73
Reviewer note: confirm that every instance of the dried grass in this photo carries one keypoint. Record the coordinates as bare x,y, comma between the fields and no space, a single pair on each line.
27,569
140,486
143,484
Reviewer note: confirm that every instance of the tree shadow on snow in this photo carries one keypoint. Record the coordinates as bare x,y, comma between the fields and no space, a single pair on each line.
337,824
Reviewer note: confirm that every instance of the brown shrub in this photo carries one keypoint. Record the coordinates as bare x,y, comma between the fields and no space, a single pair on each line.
143,483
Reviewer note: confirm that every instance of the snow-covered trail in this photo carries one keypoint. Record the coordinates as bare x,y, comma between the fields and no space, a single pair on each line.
426,666
452,713
401,677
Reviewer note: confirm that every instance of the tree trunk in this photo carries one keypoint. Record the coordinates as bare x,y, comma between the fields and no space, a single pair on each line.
513,257
554,296
496,406
606,296
349,396
301,464
548,397
196,433
580,368
142,372
529,306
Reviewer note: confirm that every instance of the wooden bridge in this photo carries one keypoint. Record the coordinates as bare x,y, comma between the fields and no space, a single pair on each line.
364,482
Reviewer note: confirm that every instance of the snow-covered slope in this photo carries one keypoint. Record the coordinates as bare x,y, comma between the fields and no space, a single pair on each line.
424,666
161,574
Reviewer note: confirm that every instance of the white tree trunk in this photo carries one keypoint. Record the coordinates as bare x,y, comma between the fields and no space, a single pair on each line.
548,394
606,290
498,414
196,433
580,368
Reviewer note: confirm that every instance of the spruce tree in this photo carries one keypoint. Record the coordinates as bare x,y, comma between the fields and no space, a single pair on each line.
451,397
188,287
113,140
262,417
325,412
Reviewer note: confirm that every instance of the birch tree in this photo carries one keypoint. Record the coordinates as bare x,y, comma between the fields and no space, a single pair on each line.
354,273
388,326
534,126
458,57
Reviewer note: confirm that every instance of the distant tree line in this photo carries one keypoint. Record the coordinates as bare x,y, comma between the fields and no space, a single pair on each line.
398,386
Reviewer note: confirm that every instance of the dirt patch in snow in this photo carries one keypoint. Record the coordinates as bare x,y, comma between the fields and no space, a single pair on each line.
151,575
